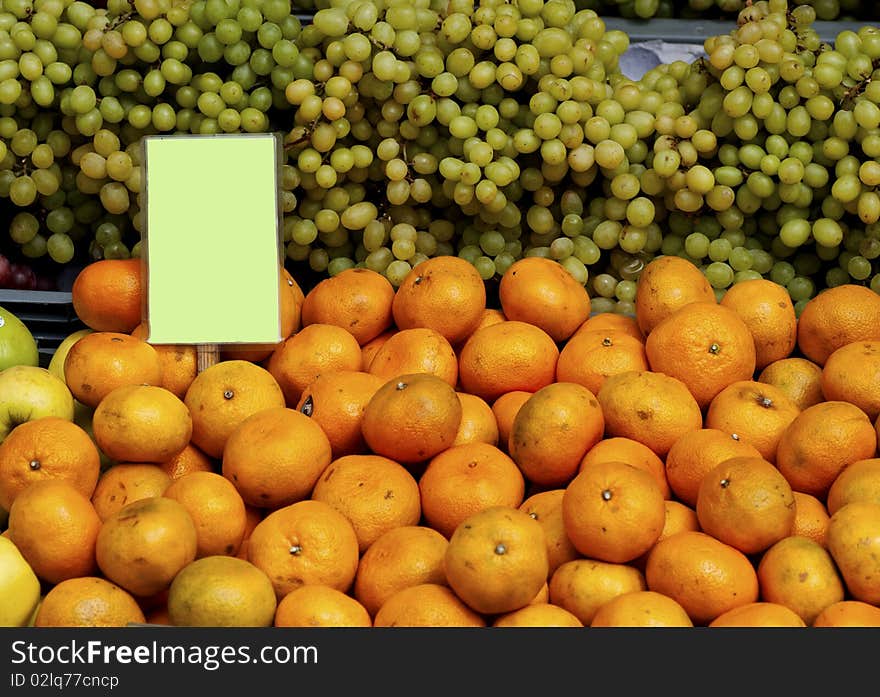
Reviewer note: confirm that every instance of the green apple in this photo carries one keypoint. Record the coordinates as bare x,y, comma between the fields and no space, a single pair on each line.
19,587
56,363
30,392
17,344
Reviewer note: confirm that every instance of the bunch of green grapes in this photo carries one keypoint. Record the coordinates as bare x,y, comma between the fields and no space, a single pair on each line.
826,10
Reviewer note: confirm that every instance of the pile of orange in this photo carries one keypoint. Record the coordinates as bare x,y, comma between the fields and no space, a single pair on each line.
416,457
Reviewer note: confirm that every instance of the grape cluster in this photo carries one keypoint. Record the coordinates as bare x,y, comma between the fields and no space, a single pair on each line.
827,10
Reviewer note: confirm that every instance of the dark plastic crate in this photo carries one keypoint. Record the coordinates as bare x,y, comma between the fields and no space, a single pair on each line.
48,314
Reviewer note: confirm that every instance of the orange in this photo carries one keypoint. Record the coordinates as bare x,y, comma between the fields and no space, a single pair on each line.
665,284
275,456
538,615
179,362
768,312
705,345
546,508
507,356
852,374
412,418
145,544
88,601
798,378
102,361
190,459
336,401
315,349
107,295
358,300
466,479
811,517
756,413
496,560
591,356
304,543
416,350
223,395
679,517
375,494
613,511
505,408
799,573
123,483
611,322
142,423
747,503
582,586
444,293
320,606
47,448
401,557
652,408
706,576
759,614
490,315
478,423
641,609
552,432
853,539
368,350
252,516
835,317
631,452
541,292
820,442
55,527
849,613
426,605
858,481
216,508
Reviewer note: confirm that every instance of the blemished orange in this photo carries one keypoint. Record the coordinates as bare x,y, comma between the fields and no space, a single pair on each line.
652,408
47,448
800,574
412,418
375,494
303,543
552,432
759,614
631,452
546,507
768,312
416,350
465,479
798,378
223,395
542,292
811,517
835,317
589,357
613,511
582,586
705,345
426,605
369,349
55,527
852,374
399,558
107,295
444,293
706,576
505,357
755,412
142,423
126,482
179,362
478,422
314,349
641,609
611,322
358,300
849,613
858,481
145,544
496,560
217,509
275,456
102,361
505,408
320,606
820,442
665,284
853,539
88,601
190,459
336,401
538,615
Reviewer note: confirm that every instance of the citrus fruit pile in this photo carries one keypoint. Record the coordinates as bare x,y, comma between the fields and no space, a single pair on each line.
425,456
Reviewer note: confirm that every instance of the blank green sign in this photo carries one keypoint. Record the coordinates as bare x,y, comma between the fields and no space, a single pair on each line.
212,239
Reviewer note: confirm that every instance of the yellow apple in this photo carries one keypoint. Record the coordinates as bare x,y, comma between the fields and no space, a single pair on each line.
17,344
19,587
30,392
56,363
